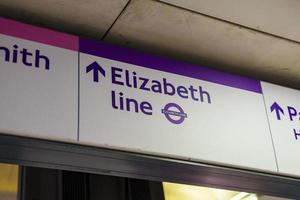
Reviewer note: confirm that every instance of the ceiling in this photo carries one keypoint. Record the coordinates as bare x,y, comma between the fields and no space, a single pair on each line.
254,38
277,17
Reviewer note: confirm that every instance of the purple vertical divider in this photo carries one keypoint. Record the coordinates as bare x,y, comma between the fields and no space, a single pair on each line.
122,54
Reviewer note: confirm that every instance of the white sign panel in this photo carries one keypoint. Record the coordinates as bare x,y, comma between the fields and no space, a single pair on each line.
149,106
283,108
140,103
38,82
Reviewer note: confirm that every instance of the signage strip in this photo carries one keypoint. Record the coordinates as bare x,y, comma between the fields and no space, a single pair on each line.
57,86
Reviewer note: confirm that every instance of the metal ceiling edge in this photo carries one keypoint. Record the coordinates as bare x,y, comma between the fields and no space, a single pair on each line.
64,156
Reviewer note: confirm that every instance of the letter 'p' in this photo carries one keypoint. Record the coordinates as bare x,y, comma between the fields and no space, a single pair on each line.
292,112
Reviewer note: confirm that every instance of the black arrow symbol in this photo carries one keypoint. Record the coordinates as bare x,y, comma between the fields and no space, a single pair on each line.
96,68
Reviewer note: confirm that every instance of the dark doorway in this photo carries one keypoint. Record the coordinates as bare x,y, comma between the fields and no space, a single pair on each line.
50,184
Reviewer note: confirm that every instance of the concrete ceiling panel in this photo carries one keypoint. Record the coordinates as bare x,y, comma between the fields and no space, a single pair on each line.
278,17
167,30
84,17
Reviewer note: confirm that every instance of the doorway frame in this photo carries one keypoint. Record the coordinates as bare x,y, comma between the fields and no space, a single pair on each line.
25,151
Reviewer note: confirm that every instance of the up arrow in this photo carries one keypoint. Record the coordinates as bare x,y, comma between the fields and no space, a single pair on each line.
96,68
277,109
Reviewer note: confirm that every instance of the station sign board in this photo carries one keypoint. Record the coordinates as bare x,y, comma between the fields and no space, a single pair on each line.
147,104
38,82
283,109
56,86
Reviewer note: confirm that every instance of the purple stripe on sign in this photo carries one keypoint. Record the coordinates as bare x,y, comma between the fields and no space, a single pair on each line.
163,64
42,35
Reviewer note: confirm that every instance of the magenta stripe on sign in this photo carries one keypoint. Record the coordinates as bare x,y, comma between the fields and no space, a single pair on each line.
42,35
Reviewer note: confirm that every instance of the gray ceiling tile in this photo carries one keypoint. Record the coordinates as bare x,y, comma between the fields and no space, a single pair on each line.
84,17
278,17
